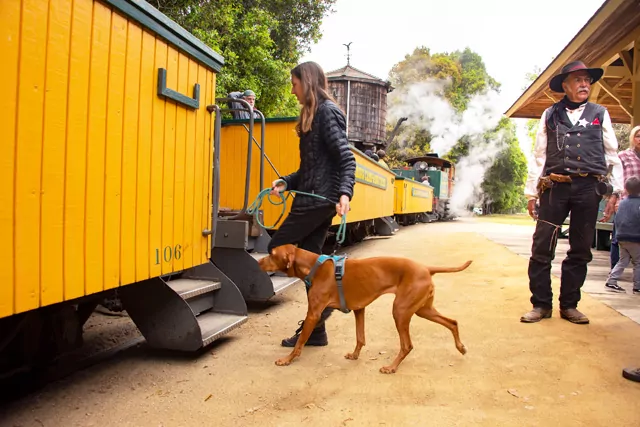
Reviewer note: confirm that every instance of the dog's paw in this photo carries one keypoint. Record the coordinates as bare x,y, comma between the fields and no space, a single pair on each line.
388,370
462,349
283,362
351,356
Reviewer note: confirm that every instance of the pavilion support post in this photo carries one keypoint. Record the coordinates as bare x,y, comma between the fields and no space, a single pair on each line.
635,86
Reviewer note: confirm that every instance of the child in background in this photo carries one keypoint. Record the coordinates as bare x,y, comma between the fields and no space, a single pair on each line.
627,222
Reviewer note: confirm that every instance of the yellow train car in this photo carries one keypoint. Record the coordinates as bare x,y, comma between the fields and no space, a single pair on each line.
373,193
106,156
413,201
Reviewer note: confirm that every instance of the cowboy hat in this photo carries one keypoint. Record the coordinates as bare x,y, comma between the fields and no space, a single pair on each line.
556,82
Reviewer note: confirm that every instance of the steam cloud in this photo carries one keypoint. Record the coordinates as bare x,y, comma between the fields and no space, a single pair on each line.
426,108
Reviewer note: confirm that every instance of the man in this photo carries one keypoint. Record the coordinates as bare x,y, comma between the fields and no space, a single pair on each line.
575,145
630,159
249,96
381,156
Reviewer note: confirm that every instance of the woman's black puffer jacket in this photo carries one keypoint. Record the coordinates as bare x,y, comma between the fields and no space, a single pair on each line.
327,165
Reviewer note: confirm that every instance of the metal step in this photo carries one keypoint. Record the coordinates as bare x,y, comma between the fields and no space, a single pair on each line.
214,325
190,288
196,292
258,255
280,283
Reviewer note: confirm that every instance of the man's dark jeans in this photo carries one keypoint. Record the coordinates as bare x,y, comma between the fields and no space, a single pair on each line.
578,197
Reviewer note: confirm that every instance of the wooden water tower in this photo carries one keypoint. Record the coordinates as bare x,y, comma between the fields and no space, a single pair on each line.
363,98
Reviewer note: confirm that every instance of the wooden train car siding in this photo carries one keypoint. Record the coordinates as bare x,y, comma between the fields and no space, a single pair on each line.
281,147
105,182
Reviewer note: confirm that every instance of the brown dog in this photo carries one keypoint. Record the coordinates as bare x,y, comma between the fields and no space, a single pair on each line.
363,282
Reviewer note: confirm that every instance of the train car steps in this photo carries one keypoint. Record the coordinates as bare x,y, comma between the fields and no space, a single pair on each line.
185,312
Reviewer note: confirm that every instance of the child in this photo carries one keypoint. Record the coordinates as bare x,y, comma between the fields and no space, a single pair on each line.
627,223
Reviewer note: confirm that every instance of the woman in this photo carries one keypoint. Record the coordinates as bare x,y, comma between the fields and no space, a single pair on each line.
327,168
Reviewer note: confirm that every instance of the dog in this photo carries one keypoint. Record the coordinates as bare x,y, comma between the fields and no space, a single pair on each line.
363,282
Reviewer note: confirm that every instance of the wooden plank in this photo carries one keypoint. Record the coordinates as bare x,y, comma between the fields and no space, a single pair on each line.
182,114
157,151
113,161
144,252
616,71
10,48
129,156
190,153
33,53
94,208
76,155
627,60
168,191
612,93
635,85
595,92
613,52
53,157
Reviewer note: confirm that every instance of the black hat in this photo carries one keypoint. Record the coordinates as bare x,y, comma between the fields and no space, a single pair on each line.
556,82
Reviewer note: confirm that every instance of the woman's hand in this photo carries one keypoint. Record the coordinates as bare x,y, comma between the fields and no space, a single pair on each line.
277,187
343,207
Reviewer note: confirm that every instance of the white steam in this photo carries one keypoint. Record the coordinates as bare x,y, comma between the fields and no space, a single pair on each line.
426,108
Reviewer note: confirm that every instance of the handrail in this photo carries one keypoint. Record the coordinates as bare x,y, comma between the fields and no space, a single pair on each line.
216,172
250,145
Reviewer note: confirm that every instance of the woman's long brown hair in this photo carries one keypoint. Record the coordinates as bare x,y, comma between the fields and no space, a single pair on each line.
315,89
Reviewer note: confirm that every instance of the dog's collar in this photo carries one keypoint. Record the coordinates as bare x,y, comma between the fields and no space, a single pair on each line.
338,262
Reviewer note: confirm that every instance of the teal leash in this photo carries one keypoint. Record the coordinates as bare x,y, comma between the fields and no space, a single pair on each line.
257,203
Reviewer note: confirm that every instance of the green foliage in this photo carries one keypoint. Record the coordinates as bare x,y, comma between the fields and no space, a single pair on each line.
504,181
260,40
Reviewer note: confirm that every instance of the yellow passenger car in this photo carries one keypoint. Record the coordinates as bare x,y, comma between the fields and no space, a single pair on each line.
105,182
106,152
413,200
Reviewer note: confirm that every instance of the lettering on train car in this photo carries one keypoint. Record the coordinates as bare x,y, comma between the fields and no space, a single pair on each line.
168,253
416,192
369,177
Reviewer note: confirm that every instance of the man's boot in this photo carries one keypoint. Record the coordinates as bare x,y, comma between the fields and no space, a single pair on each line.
536,315
318,336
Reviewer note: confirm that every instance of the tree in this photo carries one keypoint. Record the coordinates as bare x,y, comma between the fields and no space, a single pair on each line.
504,181
260,40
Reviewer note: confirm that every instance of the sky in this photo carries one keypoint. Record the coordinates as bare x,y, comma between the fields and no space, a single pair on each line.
511,36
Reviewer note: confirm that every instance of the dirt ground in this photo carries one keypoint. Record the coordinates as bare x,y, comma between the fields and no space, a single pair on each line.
514,374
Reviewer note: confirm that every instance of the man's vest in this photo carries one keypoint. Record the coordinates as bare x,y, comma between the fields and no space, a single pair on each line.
575,148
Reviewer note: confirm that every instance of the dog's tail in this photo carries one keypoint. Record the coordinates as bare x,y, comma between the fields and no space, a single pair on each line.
434,270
